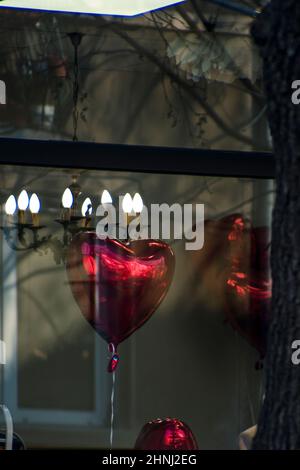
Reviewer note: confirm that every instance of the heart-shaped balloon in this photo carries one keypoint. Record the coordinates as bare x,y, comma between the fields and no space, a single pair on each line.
233,269
166,434
249,289
118,286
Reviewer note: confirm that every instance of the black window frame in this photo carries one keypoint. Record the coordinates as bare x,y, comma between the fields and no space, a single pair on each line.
135,158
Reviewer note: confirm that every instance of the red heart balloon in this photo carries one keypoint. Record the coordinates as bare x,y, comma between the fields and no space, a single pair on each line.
166,434
233,267
249,283
118,286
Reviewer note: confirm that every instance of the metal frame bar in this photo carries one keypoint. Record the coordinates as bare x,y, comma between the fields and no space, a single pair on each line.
131,158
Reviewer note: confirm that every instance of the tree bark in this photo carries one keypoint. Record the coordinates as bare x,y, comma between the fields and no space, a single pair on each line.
277,33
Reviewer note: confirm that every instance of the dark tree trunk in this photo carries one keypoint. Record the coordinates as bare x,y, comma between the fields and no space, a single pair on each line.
277,32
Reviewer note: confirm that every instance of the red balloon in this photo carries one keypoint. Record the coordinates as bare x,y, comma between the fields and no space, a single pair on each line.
249,289
118,286
166,434
233,268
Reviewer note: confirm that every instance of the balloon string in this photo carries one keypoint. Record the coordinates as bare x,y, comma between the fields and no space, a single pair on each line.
251,408
112,397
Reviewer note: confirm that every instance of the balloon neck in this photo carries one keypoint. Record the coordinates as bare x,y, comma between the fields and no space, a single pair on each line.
114,360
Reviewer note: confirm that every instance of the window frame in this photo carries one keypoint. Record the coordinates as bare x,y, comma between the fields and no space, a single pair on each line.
135,158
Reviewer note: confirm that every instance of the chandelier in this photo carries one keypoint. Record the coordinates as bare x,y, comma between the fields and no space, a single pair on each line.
23,228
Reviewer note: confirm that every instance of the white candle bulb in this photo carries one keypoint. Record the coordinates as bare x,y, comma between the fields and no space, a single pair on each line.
34,204
67,199
86,208
106,197
127,204
23,200
137,203
11,205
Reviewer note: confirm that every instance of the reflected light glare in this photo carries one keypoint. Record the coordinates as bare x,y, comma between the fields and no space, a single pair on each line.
127,204
86,208
10,205
120,269
34,204
23,200
137,203
106,197
67,199
90,265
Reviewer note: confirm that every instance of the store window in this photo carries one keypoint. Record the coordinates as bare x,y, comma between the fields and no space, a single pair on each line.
197,358
185,76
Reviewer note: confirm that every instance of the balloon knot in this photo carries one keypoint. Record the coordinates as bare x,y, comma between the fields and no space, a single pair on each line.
114,361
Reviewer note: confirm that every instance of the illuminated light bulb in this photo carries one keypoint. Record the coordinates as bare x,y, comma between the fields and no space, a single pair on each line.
127,207
10,205
127,204
34,207
67,199
34,204
106,201
137,203
106,197
67,202
86,208
23,200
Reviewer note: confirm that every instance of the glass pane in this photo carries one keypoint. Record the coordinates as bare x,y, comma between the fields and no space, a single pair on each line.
61,350
194,359
185,76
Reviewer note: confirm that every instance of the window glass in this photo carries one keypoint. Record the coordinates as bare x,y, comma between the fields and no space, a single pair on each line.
185,76
196,359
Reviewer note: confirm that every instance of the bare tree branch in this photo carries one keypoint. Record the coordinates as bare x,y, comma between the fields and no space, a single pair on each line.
190,90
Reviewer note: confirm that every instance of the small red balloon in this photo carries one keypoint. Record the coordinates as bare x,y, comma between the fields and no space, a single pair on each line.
118,286
166,434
